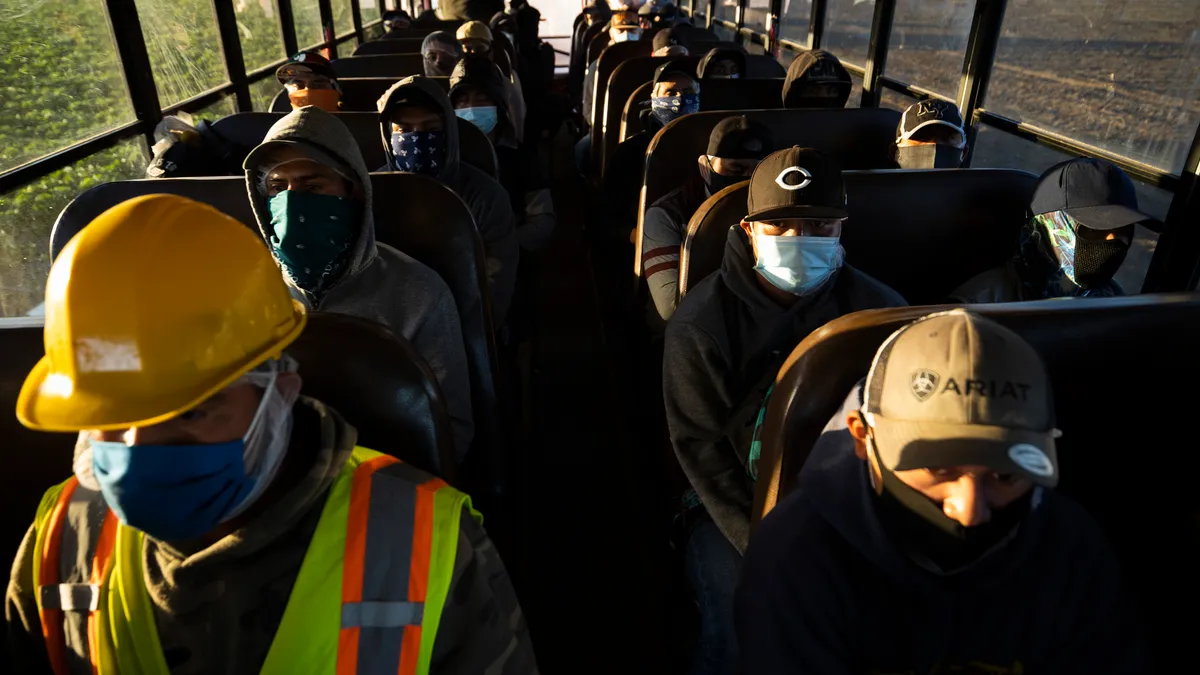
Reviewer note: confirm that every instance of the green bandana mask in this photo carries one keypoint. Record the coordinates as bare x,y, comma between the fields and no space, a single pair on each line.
310,235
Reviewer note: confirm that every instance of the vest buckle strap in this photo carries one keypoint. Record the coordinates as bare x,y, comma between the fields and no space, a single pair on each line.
70,597
382,614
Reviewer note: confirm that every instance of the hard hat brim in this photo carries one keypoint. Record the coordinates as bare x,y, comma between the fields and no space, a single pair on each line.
46,405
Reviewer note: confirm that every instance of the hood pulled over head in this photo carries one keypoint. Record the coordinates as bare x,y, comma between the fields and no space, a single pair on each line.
419,90
704,69
816,79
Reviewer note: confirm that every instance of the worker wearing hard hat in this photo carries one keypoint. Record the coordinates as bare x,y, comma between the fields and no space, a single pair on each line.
216,521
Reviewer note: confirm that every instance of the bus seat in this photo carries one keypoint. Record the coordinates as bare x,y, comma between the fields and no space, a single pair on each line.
612,56
407,33
397,45
577,69
359,94
413,213
1120,369
381,65
859,137
380,385
756,94
764,66
249,129
968,219
38,459
624,81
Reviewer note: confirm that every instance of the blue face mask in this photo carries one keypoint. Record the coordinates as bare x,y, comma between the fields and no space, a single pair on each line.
484,117
668,108
171,492
419,151
798,265
310,236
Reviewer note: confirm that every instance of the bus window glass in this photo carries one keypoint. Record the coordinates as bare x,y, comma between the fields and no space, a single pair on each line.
226,105
756,15
725,10
724,34
848,29
786,56
998,149
342,23
263,92
28,213
258,28
855,99
62,76
895,100
929,40
307,17
1118,75
794,24
185,54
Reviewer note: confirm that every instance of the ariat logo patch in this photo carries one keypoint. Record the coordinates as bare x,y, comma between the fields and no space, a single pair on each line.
924,383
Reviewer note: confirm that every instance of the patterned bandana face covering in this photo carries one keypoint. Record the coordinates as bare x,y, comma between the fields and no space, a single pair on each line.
668,108
419,151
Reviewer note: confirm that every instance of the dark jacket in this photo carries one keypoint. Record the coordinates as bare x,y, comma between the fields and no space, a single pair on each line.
824,590
485,198
1032,274
469,10
724,346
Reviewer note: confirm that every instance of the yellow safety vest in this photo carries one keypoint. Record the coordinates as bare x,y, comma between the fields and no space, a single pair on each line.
341,594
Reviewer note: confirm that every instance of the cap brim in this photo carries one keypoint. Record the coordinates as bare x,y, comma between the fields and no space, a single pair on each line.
905,445
262,157
907,135
1107,216
44,405
796,211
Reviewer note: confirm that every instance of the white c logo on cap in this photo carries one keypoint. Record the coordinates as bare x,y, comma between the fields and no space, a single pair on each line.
1032,459
790,170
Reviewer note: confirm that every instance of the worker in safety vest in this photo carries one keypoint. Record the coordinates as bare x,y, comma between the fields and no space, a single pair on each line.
216,522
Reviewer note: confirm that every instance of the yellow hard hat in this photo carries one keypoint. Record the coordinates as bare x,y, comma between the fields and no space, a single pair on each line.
156,305
474,30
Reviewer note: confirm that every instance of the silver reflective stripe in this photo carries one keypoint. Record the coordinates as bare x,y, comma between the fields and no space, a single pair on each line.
382,614
71,597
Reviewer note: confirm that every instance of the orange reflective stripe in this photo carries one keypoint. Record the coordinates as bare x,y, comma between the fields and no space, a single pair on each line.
101,564
52,619
410,650
354,559
418,570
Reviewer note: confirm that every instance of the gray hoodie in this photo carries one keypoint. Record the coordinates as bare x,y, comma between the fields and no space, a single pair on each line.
380,283
484,197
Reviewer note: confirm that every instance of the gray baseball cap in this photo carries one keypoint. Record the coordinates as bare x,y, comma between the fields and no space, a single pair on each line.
954,389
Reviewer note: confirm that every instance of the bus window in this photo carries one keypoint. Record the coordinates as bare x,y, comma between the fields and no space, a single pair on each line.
848,30
929,39
185,54
258,28
307,18
1120,76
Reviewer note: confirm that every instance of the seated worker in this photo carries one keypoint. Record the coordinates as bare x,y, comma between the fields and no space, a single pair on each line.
735,146
309,80
722,63
468,10
217,494
782,277
675,93
420,135
476,39
312,198
441,52
655,15
930,135
927,537
396,22
670,42
477,93
1084,212
816,79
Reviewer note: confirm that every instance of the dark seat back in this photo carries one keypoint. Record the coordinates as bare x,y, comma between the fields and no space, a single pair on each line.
608,61
379,65
433,226
1116,366
407,33
859,138
761,94
395,45
577,69
624,81
359,94
967,219
249,129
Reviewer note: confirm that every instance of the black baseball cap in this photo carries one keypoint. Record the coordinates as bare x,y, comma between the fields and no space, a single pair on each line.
740,138
931,112
672,67
1094,192
305,63
796,183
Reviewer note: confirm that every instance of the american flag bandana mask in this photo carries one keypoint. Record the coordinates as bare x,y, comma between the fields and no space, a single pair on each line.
419,151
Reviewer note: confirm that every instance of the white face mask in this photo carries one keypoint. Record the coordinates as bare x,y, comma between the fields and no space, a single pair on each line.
626,35
798,265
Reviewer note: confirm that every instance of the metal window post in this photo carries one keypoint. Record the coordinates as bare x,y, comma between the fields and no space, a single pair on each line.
328,34
287,24
877,52
135,64
708,16
356,19
774,15
816,24
739,19
231,48
986,28
1176,262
